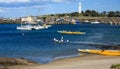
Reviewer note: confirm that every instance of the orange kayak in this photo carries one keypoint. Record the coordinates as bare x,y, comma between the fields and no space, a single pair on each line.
102,52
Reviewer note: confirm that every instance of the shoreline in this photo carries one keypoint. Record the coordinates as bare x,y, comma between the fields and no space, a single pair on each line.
88,61
103,20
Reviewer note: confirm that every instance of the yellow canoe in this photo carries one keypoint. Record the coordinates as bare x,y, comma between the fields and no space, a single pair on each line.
102,52
70,32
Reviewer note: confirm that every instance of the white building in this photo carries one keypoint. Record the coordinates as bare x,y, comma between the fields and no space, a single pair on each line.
80,8
30,19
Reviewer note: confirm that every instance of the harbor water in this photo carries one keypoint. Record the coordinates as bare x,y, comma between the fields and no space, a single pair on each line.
38,45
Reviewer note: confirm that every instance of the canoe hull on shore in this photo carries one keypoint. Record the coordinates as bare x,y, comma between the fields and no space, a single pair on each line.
102,52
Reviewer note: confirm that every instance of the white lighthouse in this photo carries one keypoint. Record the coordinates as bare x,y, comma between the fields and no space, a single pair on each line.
79,8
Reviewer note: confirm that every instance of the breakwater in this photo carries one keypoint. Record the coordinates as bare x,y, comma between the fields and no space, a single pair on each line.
72,20
106,20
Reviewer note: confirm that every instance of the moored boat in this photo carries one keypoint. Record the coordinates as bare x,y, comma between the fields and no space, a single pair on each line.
102,52
95,22
24,28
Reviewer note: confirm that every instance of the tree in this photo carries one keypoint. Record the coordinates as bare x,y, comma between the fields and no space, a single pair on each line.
103,14
75,14
117,14
87,13
94,13
111,14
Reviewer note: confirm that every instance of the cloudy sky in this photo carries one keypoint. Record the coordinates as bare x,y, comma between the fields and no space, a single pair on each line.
18,8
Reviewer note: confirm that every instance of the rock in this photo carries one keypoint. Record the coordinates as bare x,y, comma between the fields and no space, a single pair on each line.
15,61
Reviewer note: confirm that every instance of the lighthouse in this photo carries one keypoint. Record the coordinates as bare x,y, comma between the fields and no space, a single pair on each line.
79,8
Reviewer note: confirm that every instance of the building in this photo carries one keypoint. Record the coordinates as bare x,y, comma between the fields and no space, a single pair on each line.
30,19
80,8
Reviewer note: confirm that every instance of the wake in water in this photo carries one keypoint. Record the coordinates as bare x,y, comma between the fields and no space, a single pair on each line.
115,46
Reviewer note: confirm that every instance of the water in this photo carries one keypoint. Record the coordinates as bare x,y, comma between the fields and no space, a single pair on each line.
38,45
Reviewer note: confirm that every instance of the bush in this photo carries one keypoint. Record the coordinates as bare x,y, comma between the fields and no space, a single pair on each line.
115,66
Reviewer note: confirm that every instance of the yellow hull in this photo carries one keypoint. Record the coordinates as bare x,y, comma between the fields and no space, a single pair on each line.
69,32
102,52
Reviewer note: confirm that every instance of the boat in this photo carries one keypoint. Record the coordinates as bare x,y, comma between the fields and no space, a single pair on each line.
95,22
46,26
70,32
60,41
102,52
86,21
24,27
37,27
31,23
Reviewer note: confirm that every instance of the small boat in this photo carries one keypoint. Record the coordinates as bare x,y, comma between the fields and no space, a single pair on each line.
24,27
37,27
102,52
86,21
60,41
71,32
55,40
95,22
46,26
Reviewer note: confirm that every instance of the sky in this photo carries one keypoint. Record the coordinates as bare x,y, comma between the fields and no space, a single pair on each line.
20,8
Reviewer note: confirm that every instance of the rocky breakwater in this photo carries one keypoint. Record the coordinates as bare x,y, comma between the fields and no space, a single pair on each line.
106,20
4,62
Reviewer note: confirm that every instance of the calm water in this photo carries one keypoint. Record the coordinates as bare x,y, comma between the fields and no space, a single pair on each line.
38,45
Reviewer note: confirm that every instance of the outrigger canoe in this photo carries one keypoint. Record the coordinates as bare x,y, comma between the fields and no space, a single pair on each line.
102,52
70,32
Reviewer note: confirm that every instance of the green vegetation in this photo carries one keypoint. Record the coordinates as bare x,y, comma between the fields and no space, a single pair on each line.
115,66
90,13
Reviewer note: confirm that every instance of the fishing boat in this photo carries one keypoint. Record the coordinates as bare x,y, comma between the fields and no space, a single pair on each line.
102,52
70,32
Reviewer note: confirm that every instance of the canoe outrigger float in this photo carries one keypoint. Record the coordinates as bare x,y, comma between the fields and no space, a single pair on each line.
71,32
102,52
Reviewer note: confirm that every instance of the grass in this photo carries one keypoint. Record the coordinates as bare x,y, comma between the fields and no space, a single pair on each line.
115,66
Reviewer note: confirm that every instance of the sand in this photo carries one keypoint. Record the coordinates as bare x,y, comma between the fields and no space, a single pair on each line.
81,62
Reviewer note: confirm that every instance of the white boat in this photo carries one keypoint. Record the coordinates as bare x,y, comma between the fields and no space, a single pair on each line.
95,22
37,27
26,27
86,21
46,26
30,27
55,40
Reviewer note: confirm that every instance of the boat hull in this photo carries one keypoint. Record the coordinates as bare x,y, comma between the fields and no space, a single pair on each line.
24,28
102,52
69,32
